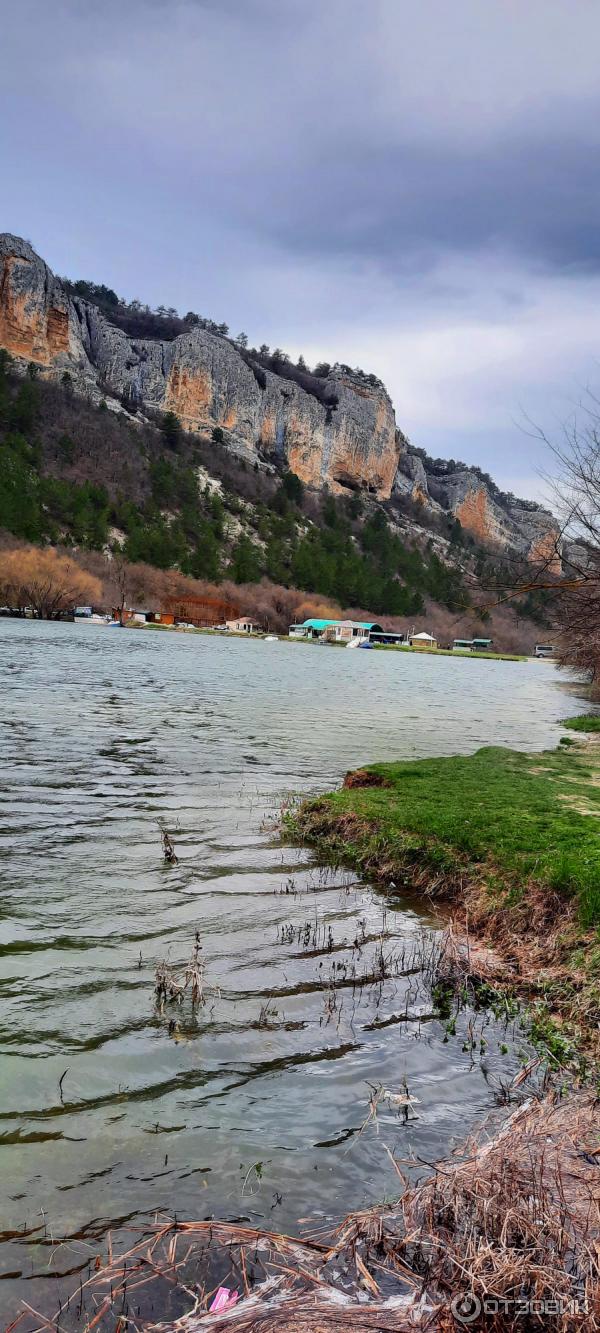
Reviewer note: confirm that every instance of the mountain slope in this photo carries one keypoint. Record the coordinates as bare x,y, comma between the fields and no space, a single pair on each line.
334,428
346,435
72,473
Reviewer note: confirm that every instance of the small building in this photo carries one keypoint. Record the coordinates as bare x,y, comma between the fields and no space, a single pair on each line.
244,625
343,631
202,612
386,636
140,616
334,631
471,645
423,641
312,628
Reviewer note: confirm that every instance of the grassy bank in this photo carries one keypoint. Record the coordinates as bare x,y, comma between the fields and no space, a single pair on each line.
448,652
586,722
511,840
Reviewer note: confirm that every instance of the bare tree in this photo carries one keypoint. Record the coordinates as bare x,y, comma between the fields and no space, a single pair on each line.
128,583
45,581
576,496
569,568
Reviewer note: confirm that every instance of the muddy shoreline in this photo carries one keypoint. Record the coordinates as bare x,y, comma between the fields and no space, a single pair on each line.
524,937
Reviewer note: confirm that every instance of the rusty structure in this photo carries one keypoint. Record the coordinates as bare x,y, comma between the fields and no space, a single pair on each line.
203,612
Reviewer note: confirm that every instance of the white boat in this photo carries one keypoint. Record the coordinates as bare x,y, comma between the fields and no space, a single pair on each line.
270,638
92,619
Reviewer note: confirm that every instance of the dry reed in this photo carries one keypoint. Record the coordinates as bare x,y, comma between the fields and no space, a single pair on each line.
511,1219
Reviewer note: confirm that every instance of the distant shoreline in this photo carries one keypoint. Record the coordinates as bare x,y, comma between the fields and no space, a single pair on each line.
376,647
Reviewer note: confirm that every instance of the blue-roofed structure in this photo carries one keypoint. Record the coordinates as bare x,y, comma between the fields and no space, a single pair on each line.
334,631
320,625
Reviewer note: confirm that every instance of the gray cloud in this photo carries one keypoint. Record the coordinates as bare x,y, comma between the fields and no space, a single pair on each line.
413,187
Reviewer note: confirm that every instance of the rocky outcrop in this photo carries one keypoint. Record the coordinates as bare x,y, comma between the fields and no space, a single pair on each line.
348,441
342,434
494,518
411,478
34,309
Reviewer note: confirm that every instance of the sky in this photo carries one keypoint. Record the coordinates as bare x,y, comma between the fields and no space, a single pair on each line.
412,186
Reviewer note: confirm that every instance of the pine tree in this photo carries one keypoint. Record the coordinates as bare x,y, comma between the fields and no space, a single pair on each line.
171,429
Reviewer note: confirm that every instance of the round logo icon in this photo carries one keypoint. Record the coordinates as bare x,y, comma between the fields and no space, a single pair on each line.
465,1307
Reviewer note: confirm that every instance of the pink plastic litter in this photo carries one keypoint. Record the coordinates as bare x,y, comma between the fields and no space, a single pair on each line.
224,1299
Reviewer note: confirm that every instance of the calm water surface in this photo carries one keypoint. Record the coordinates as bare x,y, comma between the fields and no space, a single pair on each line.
105,1112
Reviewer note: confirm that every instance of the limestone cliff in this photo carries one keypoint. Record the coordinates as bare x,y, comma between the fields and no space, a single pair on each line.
34,310
341,434
348,441
494,518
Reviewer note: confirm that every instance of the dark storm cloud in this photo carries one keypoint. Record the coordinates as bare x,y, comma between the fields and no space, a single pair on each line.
387,130
404,205
414,187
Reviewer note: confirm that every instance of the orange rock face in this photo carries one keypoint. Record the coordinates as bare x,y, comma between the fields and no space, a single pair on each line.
543,551
189,395
343,436
268,430
304,448
57,332
27,328
529,531
474,517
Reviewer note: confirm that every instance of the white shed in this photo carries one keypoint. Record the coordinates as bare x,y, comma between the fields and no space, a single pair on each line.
242,626
423,640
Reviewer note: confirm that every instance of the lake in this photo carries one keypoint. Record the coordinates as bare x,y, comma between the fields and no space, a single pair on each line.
251,1105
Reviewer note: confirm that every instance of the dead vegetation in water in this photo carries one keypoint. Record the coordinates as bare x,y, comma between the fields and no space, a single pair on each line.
171,984
168,846
402,1103
511,1221
519,1217
521,937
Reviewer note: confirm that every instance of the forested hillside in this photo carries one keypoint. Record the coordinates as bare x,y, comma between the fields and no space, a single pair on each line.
82,477
74,473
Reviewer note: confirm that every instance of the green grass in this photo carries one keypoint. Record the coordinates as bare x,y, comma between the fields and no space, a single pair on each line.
446,652
584,722
515,814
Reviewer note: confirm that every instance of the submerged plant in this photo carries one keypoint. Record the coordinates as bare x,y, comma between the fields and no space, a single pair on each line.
268,1015
168,848
171,985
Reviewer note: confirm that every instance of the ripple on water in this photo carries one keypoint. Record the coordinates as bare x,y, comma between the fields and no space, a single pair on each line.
106,735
